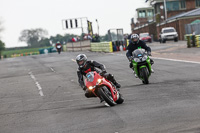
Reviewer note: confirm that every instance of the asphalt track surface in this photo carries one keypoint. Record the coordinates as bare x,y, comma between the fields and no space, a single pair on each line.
40,94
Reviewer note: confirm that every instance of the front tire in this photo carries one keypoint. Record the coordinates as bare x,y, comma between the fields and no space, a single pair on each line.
59,51
106,95
144,75
120,100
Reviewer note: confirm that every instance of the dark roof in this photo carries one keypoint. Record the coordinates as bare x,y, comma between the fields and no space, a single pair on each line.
195,12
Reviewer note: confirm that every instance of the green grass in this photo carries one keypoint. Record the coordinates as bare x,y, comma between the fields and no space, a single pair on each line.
16,51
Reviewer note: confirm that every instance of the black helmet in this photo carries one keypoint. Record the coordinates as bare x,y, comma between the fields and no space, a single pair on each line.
135,38
81,60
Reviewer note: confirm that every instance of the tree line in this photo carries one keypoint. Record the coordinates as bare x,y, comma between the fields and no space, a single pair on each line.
38,38
2,44
35,38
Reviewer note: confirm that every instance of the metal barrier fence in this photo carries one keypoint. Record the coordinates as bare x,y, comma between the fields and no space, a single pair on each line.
78,46
102,47
192,28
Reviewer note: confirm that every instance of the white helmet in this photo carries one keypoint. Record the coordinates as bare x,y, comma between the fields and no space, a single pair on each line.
134,37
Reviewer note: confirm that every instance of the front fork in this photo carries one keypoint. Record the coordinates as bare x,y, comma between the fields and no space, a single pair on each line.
135,66
113,91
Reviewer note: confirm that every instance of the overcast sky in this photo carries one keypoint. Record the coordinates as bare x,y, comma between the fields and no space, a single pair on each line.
18,15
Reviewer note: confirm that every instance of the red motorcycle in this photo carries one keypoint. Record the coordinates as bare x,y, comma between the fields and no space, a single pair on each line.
103,88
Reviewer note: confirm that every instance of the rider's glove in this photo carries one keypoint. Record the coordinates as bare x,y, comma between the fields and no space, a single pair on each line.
130,58
103,72
84,88
149,53
82,85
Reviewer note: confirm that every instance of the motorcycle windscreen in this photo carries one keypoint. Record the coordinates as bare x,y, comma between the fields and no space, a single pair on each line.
138,53
90,77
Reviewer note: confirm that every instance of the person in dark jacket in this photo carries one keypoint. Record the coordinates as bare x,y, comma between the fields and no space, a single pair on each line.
134,44
85,66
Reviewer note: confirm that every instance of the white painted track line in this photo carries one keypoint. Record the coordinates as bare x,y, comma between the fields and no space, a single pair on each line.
194,62
37,84
52,69
168,59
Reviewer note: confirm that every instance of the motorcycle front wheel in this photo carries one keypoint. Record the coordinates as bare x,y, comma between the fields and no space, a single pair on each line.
144,75
106,95
120,100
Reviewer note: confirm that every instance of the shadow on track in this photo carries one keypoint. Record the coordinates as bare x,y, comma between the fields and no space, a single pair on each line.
93,107
138,85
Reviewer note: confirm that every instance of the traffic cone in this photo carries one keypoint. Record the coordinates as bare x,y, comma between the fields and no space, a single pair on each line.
124,48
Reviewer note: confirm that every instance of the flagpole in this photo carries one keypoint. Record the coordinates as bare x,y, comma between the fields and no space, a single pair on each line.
97,26
165,10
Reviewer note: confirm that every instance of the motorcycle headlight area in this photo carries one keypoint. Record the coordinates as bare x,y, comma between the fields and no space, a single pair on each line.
91,87
144,58
136,59
99,81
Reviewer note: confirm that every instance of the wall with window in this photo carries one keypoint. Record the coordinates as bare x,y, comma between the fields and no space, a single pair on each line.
150,13
179,25
197,2
190,5
176,5
145,13
142,14
182,5
142,21
157,8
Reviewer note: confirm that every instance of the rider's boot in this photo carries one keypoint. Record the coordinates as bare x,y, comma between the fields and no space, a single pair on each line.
152,62
116,84
112,79
135,74
131,66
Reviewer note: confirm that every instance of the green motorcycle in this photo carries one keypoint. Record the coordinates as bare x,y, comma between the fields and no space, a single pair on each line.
141,65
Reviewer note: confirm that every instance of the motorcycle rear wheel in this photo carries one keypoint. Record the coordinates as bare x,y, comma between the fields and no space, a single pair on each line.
107,96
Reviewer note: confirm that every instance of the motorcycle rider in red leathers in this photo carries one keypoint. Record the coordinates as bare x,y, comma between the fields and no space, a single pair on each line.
85,66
